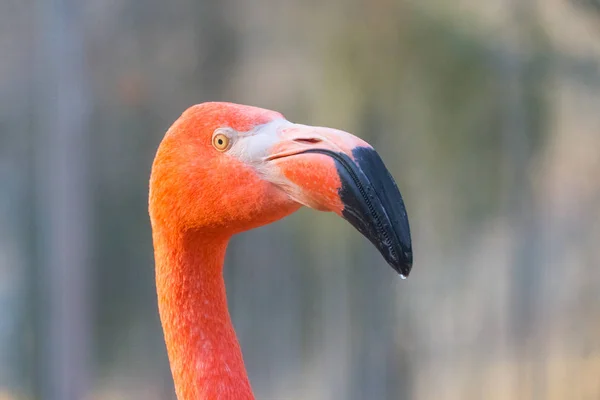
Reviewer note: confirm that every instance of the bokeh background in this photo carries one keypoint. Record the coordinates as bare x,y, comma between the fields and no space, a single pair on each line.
486,112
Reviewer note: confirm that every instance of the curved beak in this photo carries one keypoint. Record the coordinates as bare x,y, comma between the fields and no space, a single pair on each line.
332,170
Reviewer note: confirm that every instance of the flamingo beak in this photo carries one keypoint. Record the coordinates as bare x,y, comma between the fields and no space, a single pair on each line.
332,170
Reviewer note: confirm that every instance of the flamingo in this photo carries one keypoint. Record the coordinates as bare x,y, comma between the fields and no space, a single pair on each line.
224,168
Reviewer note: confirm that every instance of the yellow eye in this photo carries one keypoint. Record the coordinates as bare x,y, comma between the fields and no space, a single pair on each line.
221,142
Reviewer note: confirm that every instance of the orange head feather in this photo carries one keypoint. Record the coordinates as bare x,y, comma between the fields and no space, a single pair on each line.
265,168
195,186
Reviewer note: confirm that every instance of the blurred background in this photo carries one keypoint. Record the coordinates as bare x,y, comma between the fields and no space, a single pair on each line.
486,112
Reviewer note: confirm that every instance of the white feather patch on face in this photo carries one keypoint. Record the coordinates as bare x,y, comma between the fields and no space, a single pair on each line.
253,147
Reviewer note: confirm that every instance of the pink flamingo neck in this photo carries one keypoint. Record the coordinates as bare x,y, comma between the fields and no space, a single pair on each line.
205,356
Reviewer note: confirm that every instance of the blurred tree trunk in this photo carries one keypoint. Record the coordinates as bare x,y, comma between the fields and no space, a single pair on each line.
519,136
62,198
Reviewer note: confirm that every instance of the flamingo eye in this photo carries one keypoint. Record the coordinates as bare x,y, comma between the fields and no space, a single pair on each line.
221,142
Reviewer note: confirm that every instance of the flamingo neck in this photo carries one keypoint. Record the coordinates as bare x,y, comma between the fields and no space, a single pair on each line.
204,353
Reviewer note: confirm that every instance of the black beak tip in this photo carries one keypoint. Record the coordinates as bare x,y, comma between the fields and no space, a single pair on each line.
403,263
373,205
383,208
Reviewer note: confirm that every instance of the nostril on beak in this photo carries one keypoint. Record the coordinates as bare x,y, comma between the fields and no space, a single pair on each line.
307,140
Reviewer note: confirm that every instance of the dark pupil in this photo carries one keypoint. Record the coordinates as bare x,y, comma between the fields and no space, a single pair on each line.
220,141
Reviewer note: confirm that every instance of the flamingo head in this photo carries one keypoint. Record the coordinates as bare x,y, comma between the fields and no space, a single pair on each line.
223,168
